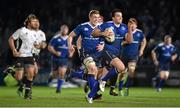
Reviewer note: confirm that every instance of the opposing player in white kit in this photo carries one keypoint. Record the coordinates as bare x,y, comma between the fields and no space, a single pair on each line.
23,52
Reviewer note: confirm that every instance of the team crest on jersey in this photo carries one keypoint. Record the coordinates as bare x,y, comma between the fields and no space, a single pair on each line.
163,48
86,29
123,28
59,40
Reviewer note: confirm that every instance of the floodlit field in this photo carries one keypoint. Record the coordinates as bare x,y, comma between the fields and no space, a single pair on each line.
46,97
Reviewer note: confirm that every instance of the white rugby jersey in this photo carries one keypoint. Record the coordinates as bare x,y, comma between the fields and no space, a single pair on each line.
28,39
40,37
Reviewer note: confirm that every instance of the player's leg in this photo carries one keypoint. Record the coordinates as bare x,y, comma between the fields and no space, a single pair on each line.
131,71
130,79
62,65
163,77
61,75
162,80
77,74
53,73
19,73
119,68
113,81
30,72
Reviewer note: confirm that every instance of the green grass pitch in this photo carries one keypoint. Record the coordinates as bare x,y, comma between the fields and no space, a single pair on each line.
46,97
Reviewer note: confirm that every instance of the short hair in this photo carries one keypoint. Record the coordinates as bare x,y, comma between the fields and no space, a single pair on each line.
167,36
93,12
114,11
63,26
29,18
133,20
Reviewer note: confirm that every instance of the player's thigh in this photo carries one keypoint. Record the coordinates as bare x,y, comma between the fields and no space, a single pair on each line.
131,68
117,63
19,74
100,72
166,74
162,74
19,69
29,67
62,70
62,67
110,60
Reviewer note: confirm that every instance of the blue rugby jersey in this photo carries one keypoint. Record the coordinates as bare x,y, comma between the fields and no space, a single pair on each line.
119,31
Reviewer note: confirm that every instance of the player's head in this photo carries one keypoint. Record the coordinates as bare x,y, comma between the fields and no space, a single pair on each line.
32,22
133,22
94,17
64,30
167,39
101,19
117,16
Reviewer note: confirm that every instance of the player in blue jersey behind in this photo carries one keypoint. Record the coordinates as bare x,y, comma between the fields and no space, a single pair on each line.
131,53
58,46
163,54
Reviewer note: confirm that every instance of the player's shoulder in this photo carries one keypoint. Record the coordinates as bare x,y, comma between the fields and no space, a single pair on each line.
41,33
84,24
23,29
139,30
160,44
56,37
109,23
171,45
123,24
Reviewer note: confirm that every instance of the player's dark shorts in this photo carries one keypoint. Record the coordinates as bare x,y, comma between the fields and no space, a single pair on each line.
59,63
96,57
22,62
164,67
125,59
36,58
107,57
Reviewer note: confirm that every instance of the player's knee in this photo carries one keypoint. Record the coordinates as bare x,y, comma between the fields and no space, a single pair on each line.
91,65
121,68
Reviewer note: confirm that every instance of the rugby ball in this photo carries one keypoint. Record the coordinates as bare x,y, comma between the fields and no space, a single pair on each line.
110,38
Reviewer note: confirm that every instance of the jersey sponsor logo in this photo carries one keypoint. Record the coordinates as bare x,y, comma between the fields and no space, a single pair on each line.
135,42
63,47
91,38
86,29
167,54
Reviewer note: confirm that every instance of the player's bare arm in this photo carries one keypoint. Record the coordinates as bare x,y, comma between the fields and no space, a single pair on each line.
142,47
12,46
53,51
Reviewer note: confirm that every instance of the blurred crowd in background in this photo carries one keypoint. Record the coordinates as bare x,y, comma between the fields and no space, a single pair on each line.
155,17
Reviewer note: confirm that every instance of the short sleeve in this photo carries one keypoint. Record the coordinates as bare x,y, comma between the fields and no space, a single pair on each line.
17,34
77,30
